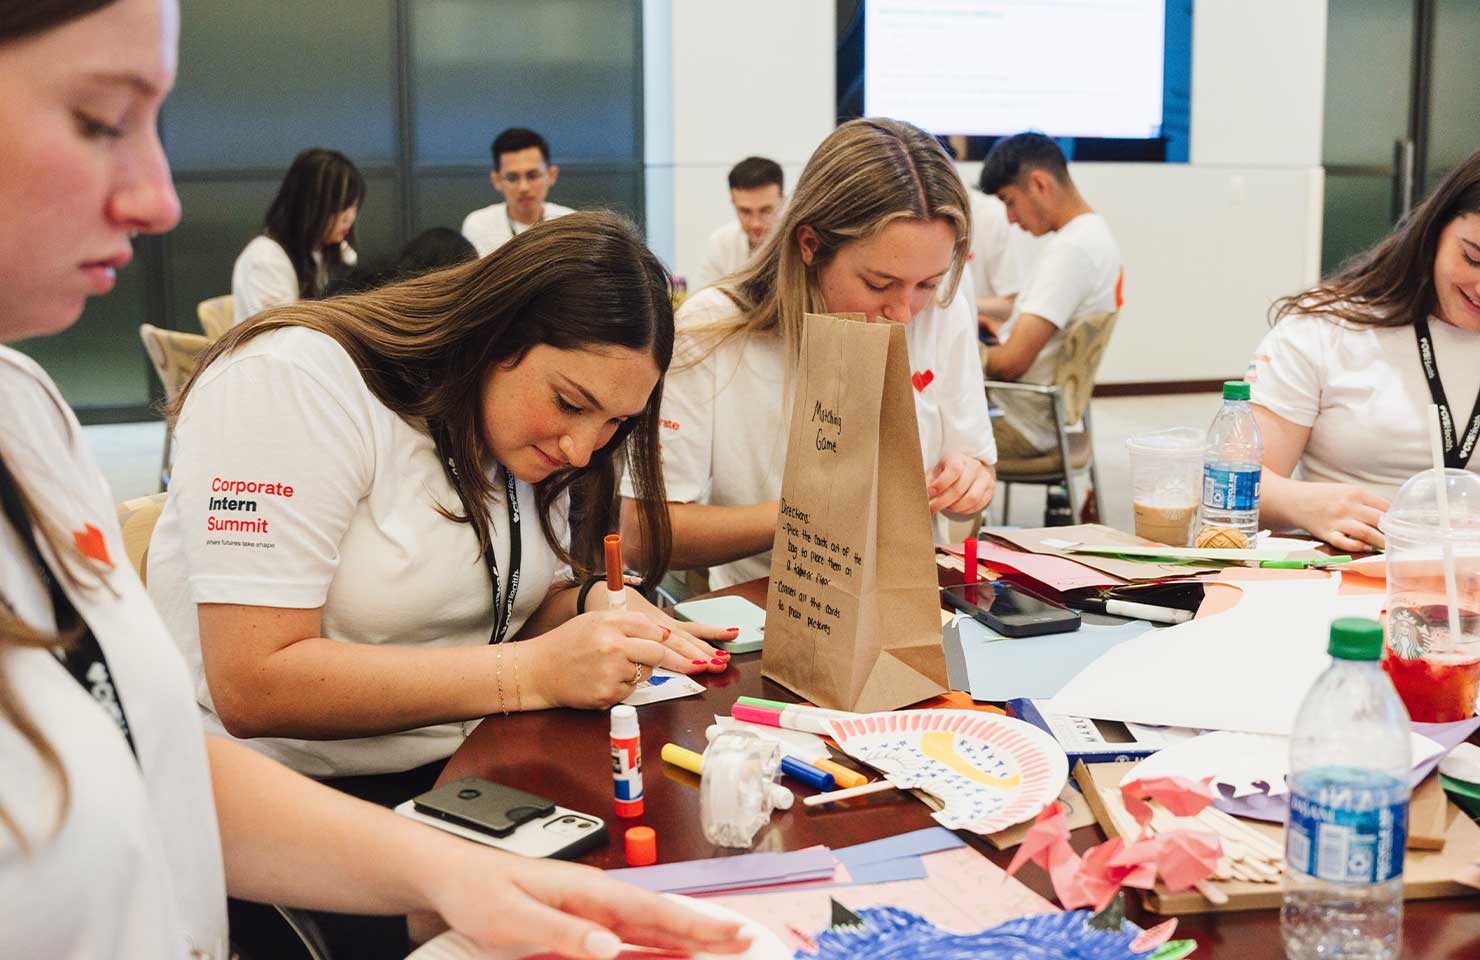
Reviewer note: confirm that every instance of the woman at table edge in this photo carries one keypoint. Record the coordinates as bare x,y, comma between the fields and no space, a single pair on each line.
125,837
1339,387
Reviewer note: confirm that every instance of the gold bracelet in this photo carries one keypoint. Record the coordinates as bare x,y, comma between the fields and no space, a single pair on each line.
498,673
518,696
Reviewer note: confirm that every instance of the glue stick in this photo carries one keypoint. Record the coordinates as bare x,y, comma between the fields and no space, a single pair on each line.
626,761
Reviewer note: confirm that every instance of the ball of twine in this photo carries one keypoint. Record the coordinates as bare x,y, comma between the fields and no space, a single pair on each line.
1213,536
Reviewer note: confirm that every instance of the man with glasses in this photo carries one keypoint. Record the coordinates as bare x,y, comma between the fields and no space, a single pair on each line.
523,174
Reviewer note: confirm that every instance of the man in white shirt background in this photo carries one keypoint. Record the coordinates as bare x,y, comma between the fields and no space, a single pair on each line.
757,192
1077,274
523,174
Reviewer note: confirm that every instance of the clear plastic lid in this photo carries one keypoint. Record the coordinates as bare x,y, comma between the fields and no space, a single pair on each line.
1414,514
1175,442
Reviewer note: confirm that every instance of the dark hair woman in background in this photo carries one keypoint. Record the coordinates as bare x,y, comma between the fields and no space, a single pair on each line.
307,241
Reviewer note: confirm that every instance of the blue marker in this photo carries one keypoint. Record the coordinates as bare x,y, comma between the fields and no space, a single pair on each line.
808,774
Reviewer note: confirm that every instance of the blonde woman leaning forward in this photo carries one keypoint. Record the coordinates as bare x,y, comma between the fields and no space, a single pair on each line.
1342,384
879,225
122,826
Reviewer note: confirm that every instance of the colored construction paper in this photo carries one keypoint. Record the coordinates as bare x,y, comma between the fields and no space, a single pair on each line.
1047,844
895,858
1180,796
990,666
1057,573
916,843
733,873
1182,857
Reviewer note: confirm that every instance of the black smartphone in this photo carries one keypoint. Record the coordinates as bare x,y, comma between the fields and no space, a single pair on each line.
1011,610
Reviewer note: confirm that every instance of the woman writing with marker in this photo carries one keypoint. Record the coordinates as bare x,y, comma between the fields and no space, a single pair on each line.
1342,384
880,226
122,827
431,461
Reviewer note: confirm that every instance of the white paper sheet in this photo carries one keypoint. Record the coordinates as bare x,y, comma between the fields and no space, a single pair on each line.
663,685
1245,669
1243,762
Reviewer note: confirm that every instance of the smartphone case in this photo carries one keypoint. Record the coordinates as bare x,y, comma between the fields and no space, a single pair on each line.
506,818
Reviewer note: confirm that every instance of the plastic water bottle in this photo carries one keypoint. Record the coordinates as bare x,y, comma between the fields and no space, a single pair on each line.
1232,465
1350,759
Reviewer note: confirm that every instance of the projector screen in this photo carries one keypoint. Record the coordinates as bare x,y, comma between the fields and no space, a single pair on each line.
1069,68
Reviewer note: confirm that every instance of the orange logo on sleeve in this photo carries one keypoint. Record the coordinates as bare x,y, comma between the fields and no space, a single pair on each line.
90,542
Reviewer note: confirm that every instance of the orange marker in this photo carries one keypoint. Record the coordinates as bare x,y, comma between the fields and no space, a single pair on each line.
616,589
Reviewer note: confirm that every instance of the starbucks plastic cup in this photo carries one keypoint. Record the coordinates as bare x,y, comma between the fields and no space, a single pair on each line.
1435,670
1166,483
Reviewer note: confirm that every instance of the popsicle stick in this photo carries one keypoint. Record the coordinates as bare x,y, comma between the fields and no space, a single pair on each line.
878,786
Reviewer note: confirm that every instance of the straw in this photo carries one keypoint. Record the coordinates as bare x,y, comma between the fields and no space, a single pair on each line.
1451,588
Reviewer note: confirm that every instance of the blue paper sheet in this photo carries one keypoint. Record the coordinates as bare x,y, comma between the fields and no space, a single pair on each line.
996,668
895,858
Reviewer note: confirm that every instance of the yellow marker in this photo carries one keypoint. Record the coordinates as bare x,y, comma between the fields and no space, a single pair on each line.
842,776
941,745
683,758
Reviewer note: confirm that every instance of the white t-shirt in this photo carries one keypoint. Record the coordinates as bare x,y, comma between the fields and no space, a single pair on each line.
296,487
1077,274
135,870
725,422
1362,392
491,227
996,247
263,276
728,249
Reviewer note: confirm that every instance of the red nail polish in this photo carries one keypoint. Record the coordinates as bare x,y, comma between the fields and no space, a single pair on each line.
699,663
732,630
717,662
722,653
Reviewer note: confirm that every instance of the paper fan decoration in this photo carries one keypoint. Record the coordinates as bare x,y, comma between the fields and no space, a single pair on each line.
990,771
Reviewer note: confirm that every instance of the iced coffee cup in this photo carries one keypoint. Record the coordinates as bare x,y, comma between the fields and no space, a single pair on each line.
1434,662
1166,483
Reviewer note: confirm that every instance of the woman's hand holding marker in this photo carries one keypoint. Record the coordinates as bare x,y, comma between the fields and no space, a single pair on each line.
594,660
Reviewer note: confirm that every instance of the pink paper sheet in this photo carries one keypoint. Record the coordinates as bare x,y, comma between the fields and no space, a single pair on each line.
1056,572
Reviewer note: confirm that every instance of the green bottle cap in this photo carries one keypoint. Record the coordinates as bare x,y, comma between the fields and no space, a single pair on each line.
1355,638
1235,390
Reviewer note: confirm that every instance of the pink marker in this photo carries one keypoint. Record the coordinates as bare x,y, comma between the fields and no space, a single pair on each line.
971,572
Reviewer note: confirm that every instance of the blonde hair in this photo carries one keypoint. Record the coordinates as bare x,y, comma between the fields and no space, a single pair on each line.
867,174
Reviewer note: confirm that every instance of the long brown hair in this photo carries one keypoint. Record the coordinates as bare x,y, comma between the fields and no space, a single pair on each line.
1392,283
867,174
424,345
19,19
319,186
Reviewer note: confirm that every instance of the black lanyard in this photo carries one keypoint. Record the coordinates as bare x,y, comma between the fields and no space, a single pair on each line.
84,657
502,618
1456,452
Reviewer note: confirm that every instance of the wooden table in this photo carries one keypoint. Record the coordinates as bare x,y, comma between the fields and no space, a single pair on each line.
564,755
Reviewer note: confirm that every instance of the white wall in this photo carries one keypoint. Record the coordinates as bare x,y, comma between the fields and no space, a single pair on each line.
1207,245
735,80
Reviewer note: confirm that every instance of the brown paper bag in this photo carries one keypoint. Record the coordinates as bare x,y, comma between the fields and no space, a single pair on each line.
853,611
